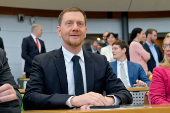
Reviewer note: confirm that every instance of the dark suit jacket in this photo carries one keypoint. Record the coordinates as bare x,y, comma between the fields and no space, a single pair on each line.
7,78
30,50
48,87
135,71
151,62
1,44
91,51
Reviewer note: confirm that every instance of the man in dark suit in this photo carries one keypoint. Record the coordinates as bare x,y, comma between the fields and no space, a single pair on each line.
134,73
153,49
1,44
70,77
94,46
32,46
10,97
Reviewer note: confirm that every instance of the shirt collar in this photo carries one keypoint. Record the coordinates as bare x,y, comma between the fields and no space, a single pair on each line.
33,36
68,55
124,62
93,50
149,44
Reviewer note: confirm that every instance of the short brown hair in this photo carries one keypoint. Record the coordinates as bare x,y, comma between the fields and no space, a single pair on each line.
122,45
71,9
150,31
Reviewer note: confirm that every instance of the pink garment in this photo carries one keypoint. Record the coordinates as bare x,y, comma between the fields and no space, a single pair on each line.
160,86
138,54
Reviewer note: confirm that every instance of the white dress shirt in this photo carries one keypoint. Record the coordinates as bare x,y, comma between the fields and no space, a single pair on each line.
126,71
34,38
70,74
69,70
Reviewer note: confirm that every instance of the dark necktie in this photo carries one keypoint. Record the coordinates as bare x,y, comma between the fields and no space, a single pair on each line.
78,80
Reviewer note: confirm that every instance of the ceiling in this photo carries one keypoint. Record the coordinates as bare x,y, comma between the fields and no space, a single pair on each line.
91,5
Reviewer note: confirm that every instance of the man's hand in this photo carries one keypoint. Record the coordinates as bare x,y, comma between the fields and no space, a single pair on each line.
90,98
110,101
139,83
7,93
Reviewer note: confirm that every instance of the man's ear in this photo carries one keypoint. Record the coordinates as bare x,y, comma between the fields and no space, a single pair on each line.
124,50
86,31
59,31
149,35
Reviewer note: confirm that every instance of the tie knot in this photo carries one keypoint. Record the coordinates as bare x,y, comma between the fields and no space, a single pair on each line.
121,64
75,58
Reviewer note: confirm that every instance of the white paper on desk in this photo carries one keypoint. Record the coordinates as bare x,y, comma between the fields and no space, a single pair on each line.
125,107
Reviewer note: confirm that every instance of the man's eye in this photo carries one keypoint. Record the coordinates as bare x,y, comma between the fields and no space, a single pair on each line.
69,23
79,23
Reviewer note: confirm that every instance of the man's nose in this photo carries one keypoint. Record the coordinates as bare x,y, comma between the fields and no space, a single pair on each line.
75,26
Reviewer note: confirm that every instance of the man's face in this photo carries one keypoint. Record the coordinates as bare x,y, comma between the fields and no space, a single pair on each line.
94,45
153,36
39,31
105,35
72,29
118,52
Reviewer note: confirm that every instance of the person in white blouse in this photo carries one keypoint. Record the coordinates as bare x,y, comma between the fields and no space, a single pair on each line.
107,50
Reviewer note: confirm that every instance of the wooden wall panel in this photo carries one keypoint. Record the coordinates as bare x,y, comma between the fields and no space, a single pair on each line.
150,14
159,43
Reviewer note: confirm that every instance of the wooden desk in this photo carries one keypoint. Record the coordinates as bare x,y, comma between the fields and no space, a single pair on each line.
153,109
22,91
138,89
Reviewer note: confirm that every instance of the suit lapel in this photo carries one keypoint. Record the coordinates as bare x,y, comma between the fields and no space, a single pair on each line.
89,67
32,40
60,67
149,51
130,73
41,45
115,67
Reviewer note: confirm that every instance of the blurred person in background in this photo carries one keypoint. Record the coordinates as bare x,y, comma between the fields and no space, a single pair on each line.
136,51
94,47
153,49
107,51
104,38
32,46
